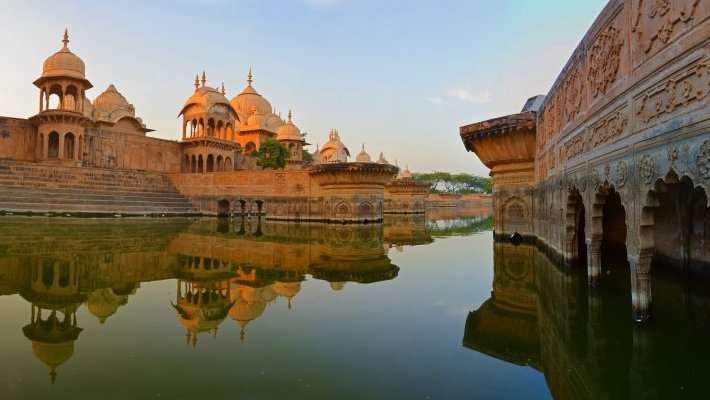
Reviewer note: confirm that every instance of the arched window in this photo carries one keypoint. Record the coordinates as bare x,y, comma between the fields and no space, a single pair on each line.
228,164
71,97
193,128
210,127
69,146
53,145
249,148
193,167
210,163
200,164
55,98
220,129
201,128
220,164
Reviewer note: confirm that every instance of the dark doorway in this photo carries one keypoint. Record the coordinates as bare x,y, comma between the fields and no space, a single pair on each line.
223,208
53,145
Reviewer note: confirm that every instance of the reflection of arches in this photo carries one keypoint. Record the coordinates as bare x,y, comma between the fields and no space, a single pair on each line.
53,145
223,208
69,146
259,206
243,205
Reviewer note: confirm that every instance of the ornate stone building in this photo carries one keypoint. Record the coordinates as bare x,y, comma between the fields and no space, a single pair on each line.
75,156
615,160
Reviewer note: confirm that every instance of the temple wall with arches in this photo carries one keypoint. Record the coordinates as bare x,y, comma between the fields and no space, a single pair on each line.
620,149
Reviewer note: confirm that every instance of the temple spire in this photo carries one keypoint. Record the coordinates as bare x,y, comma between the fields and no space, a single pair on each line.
197,81
204,78
289,117
223,91
65,40
250,77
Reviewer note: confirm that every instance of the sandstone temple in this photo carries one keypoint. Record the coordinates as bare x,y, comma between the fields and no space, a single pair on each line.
76,156
610,170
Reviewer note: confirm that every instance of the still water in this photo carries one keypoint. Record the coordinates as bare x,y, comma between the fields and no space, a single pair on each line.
417,308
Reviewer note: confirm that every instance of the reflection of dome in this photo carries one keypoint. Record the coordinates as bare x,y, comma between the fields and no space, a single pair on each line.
53,354
249,99
103,303
248,306
289,131
289,290
337,286
363,156
201,307
64,63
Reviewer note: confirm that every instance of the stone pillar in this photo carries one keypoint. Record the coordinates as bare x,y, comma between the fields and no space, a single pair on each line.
41,101
594,261
640,266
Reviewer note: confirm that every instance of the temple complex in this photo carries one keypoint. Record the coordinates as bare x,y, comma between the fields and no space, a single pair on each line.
610,170
76,156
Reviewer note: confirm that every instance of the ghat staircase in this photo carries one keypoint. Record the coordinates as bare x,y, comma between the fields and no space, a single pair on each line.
27,187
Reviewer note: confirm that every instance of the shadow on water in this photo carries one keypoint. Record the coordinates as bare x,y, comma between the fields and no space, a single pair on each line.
546,317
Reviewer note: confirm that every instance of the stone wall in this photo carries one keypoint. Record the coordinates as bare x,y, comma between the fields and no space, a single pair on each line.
17,139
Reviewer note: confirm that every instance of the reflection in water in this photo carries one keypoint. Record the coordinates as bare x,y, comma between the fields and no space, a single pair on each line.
223,268
544,316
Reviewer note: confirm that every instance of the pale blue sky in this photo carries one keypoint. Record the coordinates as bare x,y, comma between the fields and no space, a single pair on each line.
400,76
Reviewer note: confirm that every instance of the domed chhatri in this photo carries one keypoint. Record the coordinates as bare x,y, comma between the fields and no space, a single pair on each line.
64,63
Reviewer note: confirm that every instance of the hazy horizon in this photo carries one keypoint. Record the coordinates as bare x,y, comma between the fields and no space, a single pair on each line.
400,77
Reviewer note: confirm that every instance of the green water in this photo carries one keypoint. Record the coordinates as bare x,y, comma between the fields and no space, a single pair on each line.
412,309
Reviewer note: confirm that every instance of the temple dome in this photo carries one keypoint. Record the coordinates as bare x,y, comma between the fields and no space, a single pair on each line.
289,131
363,156
103,303
64,63
112,100
382,159
207,99
405,174
249,99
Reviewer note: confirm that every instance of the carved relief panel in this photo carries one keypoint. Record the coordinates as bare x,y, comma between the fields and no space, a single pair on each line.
656,23
606,57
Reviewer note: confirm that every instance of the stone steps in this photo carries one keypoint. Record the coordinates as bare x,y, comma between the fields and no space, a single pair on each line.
47,188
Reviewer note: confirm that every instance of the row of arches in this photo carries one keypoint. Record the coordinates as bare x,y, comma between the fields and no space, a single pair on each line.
620,246
198,164
219,129
63,147
61,97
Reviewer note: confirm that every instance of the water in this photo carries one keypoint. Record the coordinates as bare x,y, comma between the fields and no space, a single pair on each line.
415,309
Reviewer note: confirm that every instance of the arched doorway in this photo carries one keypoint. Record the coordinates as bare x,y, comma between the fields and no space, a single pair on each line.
69,146
200,164
53,145
228,164
223,208
210,163
614,258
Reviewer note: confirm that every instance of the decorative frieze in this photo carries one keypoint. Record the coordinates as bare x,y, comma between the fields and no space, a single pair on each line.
620,175
573,91
609,128
657,22
575,146
680,91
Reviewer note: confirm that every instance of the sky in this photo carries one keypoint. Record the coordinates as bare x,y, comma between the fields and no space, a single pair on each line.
399,76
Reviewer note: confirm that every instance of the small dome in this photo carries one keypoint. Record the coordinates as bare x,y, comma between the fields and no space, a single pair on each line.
103,303
256,120
289,131
208,100
363,156
248,99
64,63
333,151
111,100
405,174
382,159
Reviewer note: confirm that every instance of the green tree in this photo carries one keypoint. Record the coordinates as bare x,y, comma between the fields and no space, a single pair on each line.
307,156
455,183
272,154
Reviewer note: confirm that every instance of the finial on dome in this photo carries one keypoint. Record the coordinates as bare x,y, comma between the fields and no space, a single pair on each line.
289,117
204,79
250,77
223,91
197,81
65,40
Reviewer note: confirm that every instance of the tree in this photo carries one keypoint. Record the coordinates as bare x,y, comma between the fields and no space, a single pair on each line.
307,156
455,183
272,154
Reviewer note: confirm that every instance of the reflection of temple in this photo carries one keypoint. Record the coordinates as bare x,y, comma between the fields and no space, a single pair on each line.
223,268
544,317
